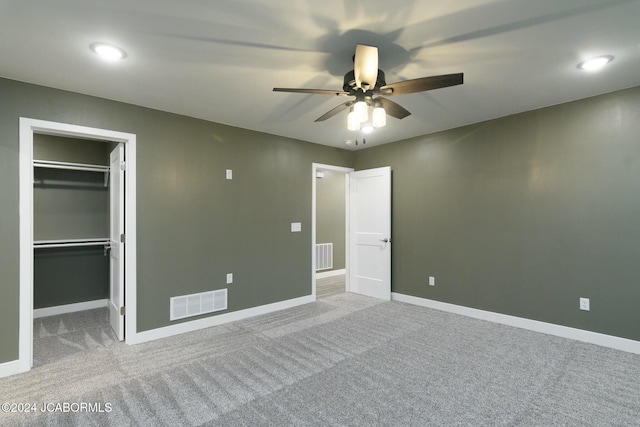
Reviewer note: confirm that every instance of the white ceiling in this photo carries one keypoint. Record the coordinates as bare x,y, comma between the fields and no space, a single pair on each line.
219,60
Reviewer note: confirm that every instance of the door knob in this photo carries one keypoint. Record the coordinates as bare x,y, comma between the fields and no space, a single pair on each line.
385,240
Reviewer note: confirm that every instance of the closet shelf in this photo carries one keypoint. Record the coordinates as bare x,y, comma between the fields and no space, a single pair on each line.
71,243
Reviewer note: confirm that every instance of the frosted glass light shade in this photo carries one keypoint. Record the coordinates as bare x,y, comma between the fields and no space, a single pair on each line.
361,109
379,117
353,121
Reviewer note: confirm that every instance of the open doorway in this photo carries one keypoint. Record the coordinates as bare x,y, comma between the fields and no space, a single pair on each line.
72,196
367,216
330,229
82,233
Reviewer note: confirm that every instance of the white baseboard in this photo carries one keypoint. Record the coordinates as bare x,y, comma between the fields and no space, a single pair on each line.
194,325
69,308
604,340
10,368
325,274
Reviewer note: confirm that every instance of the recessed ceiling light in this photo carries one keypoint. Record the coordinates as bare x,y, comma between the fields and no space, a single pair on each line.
595,64
107,51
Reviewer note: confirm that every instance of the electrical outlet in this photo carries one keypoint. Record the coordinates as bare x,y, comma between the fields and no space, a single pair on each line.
584,304
432,281
229,278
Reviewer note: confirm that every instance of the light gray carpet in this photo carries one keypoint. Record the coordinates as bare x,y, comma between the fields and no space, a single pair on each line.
346,360
60,336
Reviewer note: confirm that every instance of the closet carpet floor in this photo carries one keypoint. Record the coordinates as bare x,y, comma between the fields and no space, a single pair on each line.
58,337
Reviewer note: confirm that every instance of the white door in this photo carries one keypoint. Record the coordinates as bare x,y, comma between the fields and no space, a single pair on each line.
116,229
370,232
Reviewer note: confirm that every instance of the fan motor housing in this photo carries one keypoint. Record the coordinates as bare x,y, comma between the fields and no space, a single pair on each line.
350,82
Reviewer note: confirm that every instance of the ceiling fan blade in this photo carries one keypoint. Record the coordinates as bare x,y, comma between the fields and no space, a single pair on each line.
365,66
313,91
422,84
340,108
393,109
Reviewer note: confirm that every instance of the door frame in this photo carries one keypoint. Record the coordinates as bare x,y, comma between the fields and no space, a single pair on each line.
29,127
316,167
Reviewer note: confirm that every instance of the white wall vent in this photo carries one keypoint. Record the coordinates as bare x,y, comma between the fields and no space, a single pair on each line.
324,256
196,304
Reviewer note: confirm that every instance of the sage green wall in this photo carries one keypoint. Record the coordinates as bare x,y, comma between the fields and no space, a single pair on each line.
69,275
70,204
524,215
75,150
194,226
330,214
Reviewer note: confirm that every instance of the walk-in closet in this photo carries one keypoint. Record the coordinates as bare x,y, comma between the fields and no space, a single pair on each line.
71,213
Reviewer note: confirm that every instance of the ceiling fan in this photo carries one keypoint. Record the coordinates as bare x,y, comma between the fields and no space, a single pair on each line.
366,83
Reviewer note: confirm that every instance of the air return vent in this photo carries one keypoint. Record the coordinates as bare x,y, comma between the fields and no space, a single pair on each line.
324,256
196,304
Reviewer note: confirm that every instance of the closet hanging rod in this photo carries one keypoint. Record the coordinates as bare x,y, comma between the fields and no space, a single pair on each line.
70,166
70,243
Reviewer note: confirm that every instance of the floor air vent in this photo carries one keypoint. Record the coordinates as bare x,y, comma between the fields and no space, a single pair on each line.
196,304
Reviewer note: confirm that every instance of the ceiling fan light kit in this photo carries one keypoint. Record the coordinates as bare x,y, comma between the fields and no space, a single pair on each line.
366,82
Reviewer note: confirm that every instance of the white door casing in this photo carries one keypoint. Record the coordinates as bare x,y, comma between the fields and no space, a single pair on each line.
116,230
370,232
29,127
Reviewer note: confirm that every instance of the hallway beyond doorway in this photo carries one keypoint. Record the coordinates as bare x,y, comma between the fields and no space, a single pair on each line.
329,286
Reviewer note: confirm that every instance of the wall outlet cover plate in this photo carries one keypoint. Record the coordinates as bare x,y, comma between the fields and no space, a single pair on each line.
584,304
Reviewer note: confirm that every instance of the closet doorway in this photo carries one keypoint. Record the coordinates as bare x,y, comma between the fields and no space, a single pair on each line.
77,204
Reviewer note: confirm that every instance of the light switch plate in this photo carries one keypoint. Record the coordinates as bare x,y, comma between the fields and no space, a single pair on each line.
296,227
432,281
229,278
229,174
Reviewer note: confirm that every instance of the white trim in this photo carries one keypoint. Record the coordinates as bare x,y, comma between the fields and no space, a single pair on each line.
604,340
27,128
195,325
325,274
10,368
25,305
69,308
314,171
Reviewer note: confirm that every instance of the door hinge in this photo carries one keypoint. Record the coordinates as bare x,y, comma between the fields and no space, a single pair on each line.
123,165
122,238
123,311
